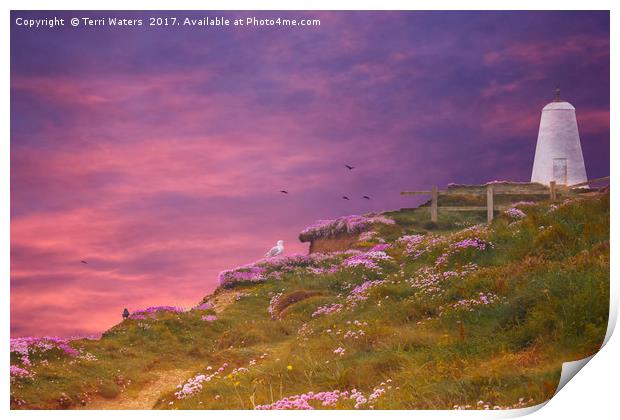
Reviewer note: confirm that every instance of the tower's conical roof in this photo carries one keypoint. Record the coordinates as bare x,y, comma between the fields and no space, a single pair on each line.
558,105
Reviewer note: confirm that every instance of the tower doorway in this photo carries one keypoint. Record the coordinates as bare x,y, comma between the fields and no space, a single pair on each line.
560,171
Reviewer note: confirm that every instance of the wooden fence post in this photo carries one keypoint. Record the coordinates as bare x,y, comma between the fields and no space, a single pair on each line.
552,191
489,203
434,204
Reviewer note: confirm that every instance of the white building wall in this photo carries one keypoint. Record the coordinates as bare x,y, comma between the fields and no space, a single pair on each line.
558,139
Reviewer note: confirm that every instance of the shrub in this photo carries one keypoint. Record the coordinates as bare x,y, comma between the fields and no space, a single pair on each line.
108,389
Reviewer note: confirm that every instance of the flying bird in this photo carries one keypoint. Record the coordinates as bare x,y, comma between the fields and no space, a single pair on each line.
83,262
366,197
276,250
349,167
284,191
344,197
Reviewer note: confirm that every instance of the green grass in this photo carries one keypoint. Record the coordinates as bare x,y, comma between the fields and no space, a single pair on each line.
549,271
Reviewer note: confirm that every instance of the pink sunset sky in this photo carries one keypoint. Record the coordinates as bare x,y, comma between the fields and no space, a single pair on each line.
157,155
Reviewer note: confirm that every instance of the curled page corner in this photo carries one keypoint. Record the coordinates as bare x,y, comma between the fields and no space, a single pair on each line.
570,369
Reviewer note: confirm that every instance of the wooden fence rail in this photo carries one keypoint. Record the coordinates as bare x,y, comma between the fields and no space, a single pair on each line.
490,193
591,181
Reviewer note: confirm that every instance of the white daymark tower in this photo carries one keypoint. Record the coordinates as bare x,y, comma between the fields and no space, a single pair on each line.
558,150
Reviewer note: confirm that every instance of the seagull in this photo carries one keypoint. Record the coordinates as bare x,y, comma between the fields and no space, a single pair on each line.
349,167
344,197
366,197
276,250
284,192
83,262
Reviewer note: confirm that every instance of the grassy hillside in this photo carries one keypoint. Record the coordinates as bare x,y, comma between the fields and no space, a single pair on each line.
415,316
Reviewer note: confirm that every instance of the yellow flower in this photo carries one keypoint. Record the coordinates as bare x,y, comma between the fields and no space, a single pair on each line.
237,383
229,376
289,367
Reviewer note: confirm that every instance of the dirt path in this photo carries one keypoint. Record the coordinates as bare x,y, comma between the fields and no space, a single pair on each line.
146,397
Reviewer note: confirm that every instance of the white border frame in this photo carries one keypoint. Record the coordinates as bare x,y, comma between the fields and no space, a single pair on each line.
592,394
